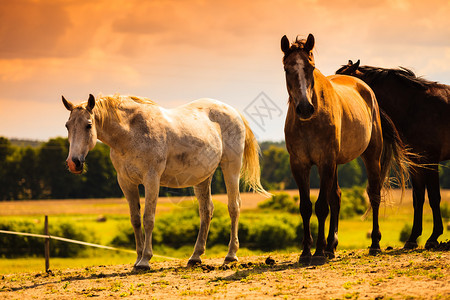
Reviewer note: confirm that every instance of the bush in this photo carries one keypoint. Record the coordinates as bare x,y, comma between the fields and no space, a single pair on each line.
20,246
445,211
353,202
268,232
404,234
256,231
281,201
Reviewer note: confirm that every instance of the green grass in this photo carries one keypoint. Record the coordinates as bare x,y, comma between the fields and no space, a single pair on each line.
353,234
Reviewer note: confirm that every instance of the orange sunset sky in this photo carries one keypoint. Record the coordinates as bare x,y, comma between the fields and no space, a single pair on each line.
177,51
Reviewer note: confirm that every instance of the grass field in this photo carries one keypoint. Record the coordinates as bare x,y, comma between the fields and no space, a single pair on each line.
353,233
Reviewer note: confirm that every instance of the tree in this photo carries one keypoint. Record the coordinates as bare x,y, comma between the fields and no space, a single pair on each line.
101,177
444,174
9,171
30,174
276,172
350,174
58,182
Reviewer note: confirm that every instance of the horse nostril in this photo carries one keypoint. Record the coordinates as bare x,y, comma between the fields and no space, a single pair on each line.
77,163
311,109
298,110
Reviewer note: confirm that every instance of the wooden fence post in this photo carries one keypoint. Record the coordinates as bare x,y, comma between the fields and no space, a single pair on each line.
47,246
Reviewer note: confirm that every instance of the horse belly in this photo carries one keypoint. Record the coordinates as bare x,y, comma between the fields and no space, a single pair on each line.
189,175
191,165
355,137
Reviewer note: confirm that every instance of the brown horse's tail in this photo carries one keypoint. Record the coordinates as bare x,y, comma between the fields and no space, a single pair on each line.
250,171
395,156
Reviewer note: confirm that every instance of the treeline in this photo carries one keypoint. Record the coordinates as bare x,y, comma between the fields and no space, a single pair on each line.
38,171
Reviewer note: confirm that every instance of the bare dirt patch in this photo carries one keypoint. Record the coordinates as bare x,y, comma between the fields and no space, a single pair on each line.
396,274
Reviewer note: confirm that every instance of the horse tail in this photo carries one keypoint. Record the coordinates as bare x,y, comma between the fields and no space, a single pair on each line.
395,156
251,171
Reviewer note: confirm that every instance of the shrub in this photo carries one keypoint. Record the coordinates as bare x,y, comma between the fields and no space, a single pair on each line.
268,232
353,202
404,234
281,201
19,246
256,231
445,211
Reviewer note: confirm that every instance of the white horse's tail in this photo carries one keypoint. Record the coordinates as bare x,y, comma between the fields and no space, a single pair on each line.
251,171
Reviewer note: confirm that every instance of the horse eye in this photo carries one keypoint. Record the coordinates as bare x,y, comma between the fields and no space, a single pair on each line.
88,126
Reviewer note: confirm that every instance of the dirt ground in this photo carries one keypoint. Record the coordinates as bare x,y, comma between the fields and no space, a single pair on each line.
394,274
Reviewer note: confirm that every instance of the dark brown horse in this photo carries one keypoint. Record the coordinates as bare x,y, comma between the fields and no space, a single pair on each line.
420,109
330,121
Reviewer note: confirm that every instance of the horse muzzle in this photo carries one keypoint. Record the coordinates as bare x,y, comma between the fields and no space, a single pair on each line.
304,111
75,165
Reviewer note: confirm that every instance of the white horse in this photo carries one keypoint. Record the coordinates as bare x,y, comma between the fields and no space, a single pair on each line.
175,148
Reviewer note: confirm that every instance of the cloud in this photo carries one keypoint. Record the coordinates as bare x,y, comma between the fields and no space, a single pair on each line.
31,29
173,49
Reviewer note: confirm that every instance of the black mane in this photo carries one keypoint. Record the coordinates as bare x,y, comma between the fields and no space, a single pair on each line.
406,76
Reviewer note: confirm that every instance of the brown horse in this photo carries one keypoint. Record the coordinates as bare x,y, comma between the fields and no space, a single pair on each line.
330,121
420,109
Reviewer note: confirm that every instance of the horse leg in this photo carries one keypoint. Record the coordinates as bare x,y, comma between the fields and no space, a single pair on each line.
373,168
301,175
335,206
206,207
151,185
434,197
231,176
131,192
418,184
327,173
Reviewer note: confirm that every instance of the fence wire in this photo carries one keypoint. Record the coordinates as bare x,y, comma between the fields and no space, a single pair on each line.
77,242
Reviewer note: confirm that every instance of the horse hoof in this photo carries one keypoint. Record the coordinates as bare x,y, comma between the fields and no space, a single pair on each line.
410,245
141,268
330,254
318,260
431,245
305,260
194,262
374,251
229,260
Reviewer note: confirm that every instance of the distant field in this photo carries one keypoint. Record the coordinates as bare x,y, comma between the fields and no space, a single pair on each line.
118,206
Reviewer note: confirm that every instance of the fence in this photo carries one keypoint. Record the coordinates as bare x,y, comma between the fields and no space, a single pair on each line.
47,238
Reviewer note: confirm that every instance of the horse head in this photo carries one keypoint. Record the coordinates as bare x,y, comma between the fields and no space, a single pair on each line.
82,133
299,67
350,69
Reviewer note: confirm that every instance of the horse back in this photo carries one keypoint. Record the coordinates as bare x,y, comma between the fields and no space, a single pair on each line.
421,115
200,135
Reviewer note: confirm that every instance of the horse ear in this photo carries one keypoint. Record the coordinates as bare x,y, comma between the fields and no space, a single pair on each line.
91,103
67,104
352,67
284,44
350,62
309,45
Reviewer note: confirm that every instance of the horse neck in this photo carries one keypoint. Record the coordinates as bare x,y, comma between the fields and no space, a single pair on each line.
322,87
111,132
